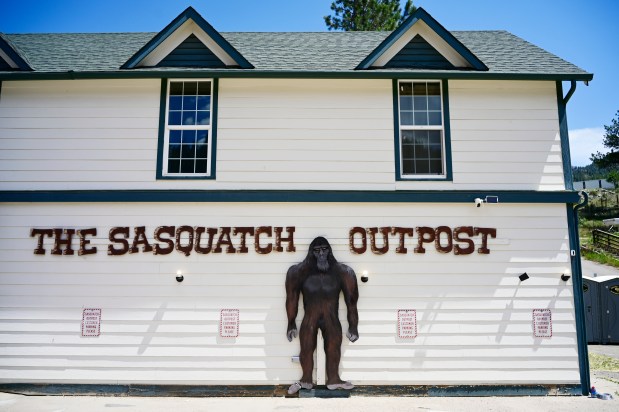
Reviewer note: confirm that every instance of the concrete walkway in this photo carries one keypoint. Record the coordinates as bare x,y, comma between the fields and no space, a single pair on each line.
20,403
593,269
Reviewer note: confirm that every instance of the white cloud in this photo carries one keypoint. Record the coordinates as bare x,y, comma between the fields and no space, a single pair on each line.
584,142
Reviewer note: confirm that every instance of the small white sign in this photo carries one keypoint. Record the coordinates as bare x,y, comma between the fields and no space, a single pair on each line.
407,323
91,322
229,323
542,323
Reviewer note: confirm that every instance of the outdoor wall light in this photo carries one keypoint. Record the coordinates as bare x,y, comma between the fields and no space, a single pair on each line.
488,199
179,276
523,277
364,276
565,277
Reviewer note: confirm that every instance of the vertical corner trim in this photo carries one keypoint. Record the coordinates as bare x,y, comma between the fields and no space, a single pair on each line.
564,134
579,308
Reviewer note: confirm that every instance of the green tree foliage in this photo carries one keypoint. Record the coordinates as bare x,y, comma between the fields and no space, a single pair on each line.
590,172
368,15
611,141
613,177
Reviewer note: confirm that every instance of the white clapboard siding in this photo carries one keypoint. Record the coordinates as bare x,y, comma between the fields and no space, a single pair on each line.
274,134
474,316
505,122
78,134
299,122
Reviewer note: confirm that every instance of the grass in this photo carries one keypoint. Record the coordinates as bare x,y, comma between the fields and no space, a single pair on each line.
604,363
585,228
588,250
599,256
599,362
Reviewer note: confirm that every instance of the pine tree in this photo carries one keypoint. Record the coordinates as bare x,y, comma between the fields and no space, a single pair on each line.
368,15
611,141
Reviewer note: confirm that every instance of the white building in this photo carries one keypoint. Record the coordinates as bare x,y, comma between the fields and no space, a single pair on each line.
218,157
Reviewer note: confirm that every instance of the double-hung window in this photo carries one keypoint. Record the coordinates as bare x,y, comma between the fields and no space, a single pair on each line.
421,134
188,130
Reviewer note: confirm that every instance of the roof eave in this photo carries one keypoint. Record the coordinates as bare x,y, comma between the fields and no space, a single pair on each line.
288,74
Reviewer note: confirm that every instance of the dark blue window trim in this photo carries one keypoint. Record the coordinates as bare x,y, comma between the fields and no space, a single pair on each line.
446,136
163,103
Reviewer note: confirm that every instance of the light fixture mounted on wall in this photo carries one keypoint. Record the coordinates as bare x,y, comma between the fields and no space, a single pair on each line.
364,276
179,276
523,277
565,277
488,199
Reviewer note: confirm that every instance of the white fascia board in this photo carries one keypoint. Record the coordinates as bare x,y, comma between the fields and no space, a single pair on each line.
7,59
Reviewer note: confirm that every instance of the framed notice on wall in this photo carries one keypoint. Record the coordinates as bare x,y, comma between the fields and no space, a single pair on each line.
91,322
542,323
407,323
229,323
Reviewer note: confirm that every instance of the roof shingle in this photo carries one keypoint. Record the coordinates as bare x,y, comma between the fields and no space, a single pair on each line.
330,52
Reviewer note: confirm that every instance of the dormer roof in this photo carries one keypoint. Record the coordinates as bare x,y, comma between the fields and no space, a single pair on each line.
421,42
188,41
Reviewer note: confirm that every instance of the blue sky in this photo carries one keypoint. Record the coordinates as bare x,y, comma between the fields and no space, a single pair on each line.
585,33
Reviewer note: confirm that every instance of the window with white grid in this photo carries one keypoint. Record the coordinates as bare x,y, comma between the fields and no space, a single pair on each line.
188,137
422,142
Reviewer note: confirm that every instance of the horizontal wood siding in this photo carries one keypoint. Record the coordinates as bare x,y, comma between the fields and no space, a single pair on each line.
305,134
82,134
474,315
273,134
505,133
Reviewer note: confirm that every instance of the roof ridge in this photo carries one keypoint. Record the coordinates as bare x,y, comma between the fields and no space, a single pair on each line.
248,32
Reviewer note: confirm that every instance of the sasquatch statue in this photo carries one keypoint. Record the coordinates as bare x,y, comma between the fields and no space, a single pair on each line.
320,278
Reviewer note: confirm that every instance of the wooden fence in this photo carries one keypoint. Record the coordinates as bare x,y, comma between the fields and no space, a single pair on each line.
606,241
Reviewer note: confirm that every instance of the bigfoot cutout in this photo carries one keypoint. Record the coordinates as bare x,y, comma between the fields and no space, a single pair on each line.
321,279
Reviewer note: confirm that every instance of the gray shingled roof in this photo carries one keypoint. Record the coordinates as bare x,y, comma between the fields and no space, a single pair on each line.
341,52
